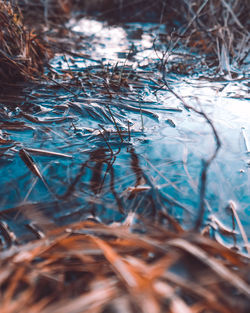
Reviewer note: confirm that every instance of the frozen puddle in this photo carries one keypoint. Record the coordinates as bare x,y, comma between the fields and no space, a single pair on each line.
133,147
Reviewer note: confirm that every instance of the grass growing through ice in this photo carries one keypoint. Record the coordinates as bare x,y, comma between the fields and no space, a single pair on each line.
136,265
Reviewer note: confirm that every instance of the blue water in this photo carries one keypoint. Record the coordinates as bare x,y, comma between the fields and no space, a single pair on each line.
125,144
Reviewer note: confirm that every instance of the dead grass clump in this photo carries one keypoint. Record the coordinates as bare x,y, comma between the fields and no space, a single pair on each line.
22,52
45,12
219,28
89,267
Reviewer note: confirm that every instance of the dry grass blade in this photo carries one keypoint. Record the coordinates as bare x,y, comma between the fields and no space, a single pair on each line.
232,206
22,53
215,266
138,285
89,267
92,301
177,305
30,163
245,140
47,153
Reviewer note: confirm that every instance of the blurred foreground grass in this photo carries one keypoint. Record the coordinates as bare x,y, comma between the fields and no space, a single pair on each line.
90,267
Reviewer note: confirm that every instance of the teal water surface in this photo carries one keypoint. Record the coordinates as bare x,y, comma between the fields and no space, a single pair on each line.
124,142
